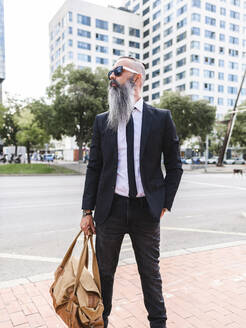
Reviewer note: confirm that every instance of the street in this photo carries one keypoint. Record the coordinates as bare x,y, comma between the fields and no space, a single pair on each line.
40,216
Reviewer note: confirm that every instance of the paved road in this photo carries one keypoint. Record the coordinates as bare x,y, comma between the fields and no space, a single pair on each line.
39,216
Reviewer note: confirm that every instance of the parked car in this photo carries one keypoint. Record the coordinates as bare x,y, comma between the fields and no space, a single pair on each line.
196,160
229,161
213,160
239,161
49,157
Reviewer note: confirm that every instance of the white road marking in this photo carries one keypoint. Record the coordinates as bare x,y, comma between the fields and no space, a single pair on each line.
30,258
204,231
43,204
215,185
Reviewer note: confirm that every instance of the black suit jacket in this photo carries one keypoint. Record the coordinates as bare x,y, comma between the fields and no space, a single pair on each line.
158,135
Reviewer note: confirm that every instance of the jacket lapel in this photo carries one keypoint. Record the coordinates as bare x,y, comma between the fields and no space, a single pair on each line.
146,126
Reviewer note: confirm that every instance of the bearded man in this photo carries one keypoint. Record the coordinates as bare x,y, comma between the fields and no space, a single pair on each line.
125,185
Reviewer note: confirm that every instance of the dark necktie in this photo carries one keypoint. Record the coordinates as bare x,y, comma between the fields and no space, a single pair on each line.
130,158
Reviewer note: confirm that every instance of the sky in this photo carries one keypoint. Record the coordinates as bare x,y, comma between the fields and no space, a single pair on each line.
27,45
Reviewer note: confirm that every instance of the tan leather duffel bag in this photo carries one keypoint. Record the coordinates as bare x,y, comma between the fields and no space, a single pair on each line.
76,293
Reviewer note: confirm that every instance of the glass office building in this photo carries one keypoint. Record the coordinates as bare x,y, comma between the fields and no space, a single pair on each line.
2,50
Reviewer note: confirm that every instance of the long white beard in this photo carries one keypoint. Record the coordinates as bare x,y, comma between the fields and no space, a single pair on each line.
121,103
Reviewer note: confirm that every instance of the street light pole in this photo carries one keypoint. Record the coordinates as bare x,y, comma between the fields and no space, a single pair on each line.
230,126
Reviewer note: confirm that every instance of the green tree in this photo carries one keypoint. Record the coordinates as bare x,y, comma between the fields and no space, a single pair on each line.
77,95
30,133
192,118
239,130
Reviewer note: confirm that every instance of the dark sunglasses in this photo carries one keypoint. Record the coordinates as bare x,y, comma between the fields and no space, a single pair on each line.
119,70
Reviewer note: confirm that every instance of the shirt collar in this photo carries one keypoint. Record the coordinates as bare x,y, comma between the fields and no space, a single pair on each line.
139,105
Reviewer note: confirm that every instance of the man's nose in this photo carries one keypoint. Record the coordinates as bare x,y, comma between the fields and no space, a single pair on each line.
112,76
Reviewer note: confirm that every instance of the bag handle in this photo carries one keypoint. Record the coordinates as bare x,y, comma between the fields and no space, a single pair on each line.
69,251
84,260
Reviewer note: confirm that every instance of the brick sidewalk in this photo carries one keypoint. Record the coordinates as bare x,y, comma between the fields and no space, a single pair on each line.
201,290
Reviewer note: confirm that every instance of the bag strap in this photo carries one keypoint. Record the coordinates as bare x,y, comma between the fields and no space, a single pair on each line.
69,251
82,262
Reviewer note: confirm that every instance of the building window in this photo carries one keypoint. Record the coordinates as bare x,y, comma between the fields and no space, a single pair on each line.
221,76
134,55
155,84
222,37
168,43
181,36
70,42
70,30
70,16
210,21
195,45
156,61
194,85
84,33
167,80
102,24
146,55
233,65
209,99
155,95
156,15
234,14
134,32
85,20
195,58
220,88
195,31
102,61
223,11
180,87
118,52
118,41
234,27
84,57
232,77
145,1
101,49
146,33
220,101
146,22
146,98
194,71
168,31
209,47
221,50
156,3
180,76
156,50
209,60
233,52
182,23
181,50
134,44
119,28
233,40
145,11
156,38
208,86
168,19
145,88
136,8
208,74
156,27
168,6
209,34
146,44
210,7
101,37
167,68
181,62
156,73
168,56
196,3
181,10
196,17
84,45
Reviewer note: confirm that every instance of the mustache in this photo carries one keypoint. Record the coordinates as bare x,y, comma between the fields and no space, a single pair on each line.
114,82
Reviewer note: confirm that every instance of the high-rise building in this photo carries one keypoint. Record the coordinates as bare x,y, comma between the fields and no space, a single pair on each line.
194,46
2,48
90,35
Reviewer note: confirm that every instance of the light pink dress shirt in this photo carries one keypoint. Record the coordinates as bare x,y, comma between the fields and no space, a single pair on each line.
122,186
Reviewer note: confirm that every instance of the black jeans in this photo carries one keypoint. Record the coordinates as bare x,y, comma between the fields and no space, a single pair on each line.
132,216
